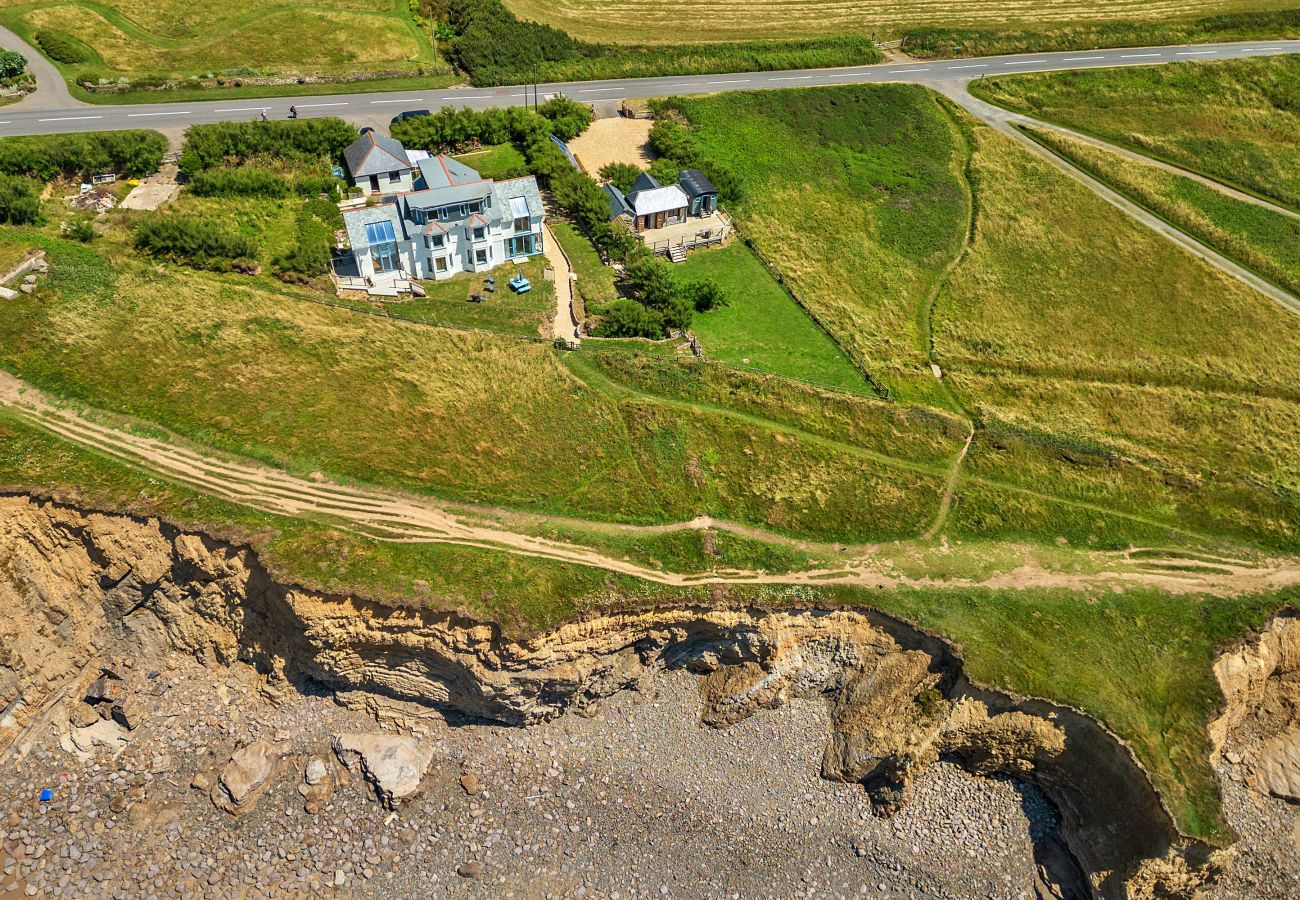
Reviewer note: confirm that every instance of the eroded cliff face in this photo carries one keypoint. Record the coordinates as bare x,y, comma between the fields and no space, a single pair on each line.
78,587
1260,681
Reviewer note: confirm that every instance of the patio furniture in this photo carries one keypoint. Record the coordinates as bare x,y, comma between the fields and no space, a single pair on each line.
476,298
520,284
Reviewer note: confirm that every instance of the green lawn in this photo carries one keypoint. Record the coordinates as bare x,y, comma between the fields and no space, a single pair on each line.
1237,121
1259,238
498,161
762,328
503,311
595,284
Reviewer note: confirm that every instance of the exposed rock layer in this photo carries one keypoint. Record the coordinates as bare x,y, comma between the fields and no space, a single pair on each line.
76,586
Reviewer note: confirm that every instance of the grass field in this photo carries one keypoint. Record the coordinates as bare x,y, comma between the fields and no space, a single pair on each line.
855,196
1259,238
1237,121
595,284
143,41
762,328
640,21
498,161
1107,366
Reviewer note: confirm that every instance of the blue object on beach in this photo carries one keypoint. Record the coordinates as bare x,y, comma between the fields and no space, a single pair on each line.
47,795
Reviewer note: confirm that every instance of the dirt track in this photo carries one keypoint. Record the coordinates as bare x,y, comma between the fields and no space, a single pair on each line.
400,518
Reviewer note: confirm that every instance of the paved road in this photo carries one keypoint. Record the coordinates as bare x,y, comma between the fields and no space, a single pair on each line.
51,89
27,118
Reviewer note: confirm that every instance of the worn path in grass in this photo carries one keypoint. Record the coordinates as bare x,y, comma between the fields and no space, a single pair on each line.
394,517
1007,122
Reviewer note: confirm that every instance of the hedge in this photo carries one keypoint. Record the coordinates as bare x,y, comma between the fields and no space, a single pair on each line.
131,154
194,241
61,48
226,143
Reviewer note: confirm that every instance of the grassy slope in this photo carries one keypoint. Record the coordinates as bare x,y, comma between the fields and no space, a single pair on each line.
1109,366
854,195
466,416
1237,121
635,21
1259,238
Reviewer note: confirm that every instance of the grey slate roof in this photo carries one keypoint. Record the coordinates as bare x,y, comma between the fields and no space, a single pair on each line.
356,220
374,154
695,183
503,191
618,205
644,182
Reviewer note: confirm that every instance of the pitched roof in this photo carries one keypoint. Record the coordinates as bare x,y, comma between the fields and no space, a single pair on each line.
374,154
657,200
442,171
618,205
644,182
694,182
356,220
504,193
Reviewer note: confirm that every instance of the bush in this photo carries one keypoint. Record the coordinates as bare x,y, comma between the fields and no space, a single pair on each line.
621,175
704,295
12,63
193,241
20,201
627,318
231,143
82,230
494,45
310,254
244,182
131,154
61,48
568,118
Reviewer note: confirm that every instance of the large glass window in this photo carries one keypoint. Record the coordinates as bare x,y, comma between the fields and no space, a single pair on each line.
521,245
383,246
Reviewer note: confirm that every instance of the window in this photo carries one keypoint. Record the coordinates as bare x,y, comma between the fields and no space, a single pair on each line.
438,240
521,213
480,256
394,177
478,233
383,246
440,264
417,216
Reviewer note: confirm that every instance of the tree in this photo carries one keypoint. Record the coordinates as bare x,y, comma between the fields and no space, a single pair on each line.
672,140
12,63
621,175
582,197
568,118
20,202
649,281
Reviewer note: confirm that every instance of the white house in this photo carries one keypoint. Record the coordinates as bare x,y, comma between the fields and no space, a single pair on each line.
453,221
650,205
378,164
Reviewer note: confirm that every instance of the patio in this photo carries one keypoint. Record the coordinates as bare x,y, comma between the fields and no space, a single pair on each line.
694,232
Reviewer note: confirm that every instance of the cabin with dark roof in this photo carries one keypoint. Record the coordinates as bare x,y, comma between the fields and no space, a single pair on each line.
700,191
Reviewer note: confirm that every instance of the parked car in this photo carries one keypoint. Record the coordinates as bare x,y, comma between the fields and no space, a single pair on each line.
409,114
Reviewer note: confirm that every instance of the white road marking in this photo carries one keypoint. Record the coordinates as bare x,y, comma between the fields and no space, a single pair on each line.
469,97
1197,52
1139,55
793,78
1024,62
1081,58
180,112
310,105
733,81
598,90
401,100
1261,49
245,109
850,74
904,71
69,118
972,66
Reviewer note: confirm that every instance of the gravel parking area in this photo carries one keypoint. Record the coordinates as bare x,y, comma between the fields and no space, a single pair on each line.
613,140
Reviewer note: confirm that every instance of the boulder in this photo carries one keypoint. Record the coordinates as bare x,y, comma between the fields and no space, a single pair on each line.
247,776
394,764
317,786
1278,770
130,713
107,688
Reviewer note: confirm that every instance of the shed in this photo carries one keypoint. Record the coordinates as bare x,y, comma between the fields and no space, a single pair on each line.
701,192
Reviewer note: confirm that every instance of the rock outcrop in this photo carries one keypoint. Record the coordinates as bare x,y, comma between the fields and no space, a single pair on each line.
79,586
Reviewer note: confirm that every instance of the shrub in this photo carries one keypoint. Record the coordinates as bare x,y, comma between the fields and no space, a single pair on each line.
193,241
310,254
704,295
226,143
82,230
61,48
20,202
494,45
627,318
132,154
243,182
12,63
568,118
621,175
